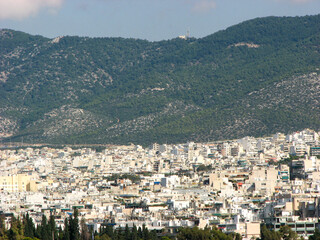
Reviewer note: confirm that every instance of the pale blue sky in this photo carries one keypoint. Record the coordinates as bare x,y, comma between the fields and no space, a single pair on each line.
145,19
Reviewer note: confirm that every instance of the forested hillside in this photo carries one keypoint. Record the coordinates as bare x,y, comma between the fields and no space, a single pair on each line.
258,77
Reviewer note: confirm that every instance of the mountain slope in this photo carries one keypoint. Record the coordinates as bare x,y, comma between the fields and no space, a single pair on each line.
254,78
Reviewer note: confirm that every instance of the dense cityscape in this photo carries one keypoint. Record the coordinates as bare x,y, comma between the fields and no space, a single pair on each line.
236,186
159,120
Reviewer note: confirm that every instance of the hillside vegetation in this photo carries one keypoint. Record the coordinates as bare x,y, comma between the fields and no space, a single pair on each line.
255,78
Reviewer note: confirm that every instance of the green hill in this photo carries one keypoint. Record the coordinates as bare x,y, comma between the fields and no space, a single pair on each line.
254,78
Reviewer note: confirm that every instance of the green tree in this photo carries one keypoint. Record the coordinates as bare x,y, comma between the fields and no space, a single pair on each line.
286,233
84,234
165,238
66,232
194,234
29,228
44,228
119,234
52,228
3,234
316,235
267,234
127,234
16,230
140,235
102,237
74,225
134,234
145,232
60,233
109,231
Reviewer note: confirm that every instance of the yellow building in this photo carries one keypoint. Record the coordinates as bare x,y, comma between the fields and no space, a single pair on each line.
17,183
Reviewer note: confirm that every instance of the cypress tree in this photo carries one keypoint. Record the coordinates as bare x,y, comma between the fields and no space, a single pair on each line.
153,235
118,234
66,233
134,234
74,226
29,228
127,233
60,233
52,229
44,228
109,231
140,235
145,232
85,234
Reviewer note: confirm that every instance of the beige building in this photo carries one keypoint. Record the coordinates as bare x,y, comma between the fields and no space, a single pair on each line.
252,230
18,183
264,179
217,180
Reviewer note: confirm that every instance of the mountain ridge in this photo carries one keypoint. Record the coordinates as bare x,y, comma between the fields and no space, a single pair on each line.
116,90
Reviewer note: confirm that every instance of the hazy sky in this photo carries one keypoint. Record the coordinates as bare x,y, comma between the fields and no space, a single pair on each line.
144,19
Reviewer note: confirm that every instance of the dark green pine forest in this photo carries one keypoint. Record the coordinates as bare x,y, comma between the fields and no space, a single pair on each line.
255,78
